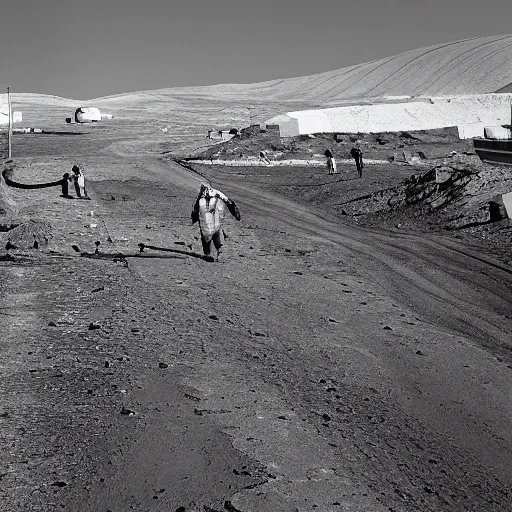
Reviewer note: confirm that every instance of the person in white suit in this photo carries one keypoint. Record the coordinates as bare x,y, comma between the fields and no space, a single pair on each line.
331,163
79,181
209,210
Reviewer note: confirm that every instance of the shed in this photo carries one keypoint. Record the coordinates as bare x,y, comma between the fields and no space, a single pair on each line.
224,133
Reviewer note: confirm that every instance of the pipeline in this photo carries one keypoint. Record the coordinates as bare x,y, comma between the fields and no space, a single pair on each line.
119,256
177,251
141,254
7,174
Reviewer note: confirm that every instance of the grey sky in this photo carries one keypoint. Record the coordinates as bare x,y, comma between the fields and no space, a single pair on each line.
89,48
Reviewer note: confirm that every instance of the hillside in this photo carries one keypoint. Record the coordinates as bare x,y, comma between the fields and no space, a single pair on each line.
350,350
472,66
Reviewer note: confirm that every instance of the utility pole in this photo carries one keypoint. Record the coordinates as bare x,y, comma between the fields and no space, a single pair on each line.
10,119
250,109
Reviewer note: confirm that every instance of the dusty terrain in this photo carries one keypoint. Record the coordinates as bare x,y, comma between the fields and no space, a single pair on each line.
323,364
428,181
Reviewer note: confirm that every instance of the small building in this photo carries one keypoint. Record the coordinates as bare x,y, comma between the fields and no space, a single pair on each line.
87,115
222,134
17,117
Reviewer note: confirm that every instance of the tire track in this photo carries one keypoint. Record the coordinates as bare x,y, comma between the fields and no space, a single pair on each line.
414,59
399,265
478,48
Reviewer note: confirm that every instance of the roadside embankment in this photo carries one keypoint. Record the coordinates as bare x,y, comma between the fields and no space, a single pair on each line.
252,162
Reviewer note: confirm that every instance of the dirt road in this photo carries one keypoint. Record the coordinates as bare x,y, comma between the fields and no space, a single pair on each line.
462,295
317,366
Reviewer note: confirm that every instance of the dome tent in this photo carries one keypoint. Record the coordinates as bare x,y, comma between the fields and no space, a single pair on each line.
87,115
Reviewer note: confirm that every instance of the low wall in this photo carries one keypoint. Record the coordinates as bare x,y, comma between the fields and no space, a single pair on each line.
423,114
256,162
470,130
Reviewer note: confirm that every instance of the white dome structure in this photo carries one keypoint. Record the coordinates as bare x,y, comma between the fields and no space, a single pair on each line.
87,115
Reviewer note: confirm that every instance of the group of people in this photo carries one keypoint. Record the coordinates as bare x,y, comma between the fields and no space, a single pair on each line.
209,207
356,153
78,179
209,210
210,203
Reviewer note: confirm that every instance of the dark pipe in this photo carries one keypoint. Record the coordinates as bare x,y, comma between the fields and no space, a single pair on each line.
7,173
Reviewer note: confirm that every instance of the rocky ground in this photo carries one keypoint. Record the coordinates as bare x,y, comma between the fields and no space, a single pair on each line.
434,182
323,364
386,146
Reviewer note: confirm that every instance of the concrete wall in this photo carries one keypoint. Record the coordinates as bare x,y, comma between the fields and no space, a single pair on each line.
497,133
288,126
311,121
424,114
470,130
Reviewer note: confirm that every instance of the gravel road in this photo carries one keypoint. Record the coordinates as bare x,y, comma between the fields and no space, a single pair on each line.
318,366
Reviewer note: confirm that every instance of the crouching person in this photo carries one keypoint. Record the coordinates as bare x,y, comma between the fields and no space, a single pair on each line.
209,210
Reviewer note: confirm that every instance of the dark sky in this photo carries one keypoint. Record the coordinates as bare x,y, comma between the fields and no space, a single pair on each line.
90,48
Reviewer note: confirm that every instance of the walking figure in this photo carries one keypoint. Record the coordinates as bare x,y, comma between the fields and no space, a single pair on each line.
264,157
357,155
331,163
209,211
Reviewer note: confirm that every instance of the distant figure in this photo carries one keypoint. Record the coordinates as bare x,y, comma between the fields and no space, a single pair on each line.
264,157
209,211
79,180
357,155
331,163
